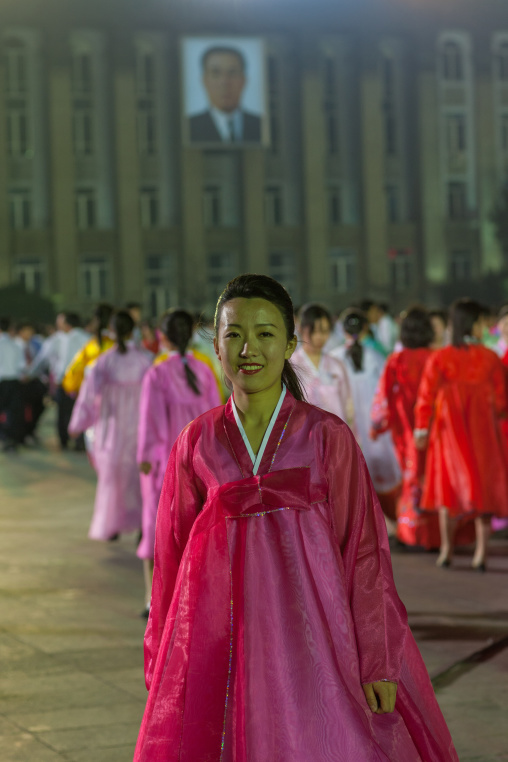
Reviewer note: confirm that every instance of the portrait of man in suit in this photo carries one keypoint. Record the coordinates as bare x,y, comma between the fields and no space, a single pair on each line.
224,77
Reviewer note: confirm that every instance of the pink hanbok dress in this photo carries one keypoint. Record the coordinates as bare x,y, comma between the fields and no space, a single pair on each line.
273,601
326,386
167,405
108,401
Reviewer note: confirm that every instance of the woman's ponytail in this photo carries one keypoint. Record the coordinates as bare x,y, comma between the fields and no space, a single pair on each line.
354,323
177,327
124,326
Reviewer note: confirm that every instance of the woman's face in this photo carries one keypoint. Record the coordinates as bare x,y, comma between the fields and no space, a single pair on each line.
317,337
252,344
439,328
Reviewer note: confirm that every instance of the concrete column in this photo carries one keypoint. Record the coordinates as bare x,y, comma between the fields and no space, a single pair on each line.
5,254
64,264
489,186
315,200
130,273
193,264
253,180
373,177
431,214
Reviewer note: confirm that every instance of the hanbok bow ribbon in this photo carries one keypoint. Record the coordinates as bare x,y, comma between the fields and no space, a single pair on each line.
259,495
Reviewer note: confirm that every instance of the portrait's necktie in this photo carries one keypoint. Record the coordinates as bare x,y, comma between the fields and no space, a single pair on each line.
231,128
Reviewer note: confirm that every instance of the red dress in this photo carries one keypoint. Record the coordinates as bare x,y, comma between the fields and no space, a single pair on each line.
461,401
393,410
273,601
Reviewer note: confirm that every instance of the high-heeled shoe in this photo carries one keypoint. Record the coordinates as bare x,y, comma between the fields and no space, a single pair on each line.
479,567
444,563
146,612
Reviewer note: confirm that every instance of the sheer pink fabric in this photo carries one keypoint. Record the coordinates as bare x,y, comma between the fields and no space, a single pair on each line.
109,401
167,405
273,601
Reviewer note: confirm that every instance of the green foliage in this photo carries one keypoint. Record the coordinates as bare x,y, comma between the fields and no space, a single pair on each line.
491,289
18,303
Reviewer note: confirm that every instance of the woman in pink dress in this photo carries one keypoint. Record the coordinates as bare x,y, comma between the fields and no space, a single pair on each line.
324,378
174,392
275,630
108,401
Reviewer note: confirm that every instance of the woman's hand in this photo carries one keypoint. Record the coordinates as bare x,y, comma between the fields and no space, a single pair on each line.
381,696
145,467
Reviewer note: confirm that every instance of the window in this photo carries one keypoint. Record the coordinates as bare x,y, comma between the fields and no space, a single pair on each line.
86,211
30,273
502,62
82,72
456,134
145,72
457,203
504,132
460,265
20,209
282,265
342,270
149,200
392,204
335,205
401,269
453,68
274,102
16,67
94,278
161,288
83,129
274,206
17,129
147,128
221,269
212,206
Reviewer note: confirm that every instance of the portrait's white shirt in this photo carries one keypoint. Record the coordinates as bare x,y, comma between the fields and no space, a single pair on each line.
12,358
222,121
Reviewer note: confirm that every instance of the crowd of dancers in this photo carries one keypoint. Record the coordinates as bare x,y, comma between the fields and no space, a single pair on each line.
425,396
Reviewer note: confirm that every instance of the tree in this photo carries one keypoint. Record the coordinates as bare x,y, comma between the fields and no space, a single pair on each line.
19,304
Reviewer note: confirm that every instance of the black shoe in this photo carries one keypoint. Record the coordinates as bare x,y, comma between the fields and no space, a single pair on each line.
114,537
146,612
479,567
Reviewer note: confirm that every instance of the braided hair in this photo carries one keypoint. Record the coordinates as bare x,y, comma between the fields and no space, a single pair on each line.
123,325
354,323
177,326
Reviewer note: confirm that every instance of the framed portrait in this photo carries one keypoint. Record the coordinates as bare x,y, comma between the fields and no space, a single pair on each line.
224,92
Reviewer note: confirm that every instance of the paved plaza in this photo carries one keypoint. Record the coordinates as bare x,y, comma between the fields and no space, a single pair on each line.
71,657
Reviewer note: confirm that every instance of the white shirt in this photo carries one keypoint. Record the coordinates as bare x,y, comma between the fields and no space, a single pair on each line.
227,122
72,343
12,359
48,355
256,459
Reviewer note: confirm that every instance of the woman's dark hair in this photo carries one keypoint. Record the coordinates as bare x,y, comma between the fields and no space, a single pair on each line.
354,322
464,314
416,329
102,314
310,314
177,326
253,286
124,326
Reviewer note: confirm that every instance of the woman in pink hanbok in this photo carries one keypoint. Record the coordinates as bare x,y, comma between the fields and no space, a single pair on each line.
173,393
324,377
108,401
275,630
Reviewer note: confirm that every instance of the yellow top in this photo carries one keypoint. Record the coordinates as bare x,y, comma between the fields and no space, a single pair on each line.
199,356
75,372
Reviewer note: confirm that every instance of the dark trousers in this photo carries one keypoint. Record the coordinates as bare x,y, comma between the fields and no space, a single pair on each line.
34,392
12,411
65,405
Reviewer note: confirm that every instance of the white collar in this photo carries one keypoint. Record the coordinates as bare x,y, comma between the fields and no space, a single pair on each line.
256,459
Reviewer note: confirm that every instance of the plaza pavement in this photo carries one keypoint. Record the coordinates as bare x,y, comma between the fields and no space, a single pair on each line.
71,675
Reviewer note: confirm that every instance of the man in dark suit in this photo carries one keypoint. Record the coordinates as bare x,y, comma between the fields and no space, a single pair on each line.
224,77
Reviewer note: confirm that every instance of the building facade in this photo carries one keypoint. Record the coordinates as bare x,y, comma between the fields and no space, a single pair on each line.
388,150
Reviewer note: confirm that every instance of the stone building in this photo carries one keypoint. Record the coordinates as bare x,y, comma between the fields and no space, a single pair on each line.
389,146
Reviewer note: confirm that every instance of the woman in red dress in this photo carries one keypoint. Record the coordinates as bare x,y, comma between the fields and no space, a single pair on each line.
393,410
461,401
